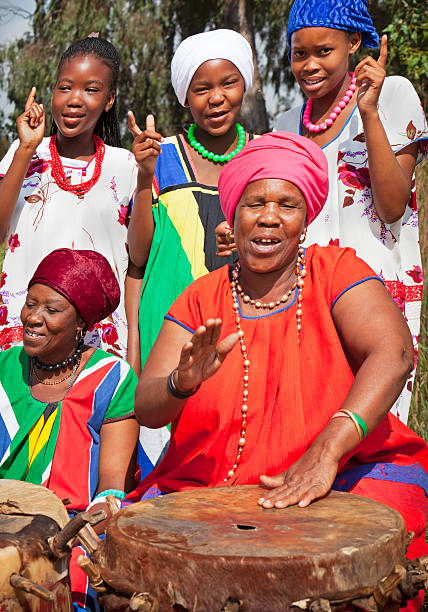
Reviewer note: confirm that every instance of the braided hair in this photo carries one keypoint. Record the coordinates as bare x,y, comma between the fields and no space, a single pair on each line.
107,126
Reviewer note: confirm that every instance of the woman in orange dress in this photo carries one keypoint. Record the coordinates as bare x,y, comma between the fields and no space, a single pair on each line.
307,336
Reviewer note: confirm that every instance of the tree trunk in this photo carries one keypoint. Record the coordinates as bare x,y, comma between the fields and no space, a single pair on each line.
238,15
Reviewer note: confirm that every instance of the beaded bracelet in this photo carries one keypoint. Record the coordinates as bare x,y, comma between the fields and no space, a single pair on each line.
172,389
115,492
358,421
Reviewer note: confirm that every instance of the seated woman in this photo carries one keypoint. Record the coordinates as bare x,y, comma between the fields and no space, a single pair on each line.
306,336
66,410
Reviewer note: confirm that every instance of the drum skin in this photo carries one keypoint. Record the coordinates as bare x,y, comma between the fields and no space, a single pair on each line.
24,530
204,549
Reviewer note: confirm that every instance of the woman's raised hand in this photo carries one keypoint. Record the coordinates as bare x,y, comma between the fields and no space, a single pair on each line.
202,356
370,75
309,478
225,239
146,146
31,124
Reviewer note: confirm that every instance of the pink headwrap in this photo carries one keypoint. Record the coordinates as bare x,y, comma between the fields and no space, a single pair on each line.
84,278
277,155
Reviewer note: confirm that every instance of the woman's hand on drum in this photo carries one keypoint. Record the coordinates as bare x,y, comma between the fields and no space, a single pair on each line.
146,146
31,124
225,240
309,478
202,356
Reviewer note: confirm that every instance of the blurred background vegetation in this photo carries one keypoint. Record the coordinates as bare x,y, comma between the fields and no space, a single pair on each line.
146,35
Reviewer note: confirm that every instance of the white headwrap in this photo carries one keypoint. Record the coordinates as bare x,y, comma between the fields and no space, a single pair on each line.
217,44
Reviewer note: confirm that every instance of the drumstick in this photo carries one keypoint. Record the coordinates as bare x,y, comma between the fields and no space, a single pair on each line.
59,542
93,573
23,584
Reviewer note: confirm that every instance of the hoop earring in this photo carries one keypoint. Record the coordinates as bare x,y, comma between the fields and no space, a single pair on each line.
303,236
79,336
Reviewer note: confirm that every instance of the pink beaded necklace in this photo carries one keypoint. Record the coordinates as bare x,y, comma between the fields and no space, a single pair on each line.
319,127
58,173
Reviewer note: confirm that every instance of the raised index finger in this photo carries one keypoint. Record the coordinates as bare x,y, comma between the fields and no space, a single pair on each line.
150,123
383,51
30,98
132,125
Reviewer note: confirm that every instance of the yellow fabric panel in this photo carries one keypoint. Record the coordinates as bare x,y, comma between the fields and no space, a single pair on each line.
184,214
39,435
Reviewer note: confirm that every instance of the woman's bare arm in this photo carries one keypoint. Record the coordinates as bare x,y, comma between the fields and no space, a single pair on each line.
390,174
31,128
379,348
133,287
196,357
146,148
118,452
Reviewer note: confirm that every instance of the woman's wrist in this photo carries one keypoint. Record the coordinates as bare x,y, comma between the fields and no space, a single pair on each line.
144,179
26,150
369,115
175,389
337,438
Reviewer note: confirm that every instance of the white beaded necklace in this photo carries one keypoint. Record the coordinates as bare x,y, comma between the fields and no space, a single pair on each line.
237,289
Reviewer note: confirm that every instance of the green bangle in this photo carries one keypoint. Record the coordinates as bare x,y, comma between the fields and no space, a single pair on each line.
115,492
361,423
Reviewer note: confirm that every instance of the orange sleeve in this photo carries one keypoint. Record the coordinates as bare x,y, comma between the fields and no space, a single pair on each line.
340,269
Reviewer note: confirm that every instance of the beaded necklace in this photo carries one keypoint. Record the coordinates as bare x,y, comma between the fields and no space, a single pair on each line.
236,288
217,159
57,169
56,382
319,127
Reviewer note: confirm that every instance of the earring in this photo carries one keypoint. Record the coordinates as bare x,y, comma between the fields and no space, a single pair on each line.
303,236
79,336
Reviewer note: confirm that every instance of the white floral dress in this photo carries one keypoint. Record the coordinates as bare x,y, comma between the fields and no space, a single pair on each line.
349,217
48,218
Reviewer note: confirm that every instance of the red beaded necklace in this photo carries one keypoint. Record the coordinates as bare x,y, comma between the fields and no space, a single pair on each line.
58,173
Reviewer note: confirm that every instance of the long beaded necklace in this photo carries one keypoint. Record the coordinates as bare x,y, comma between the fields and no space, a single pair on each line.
236,289
217,159
57,169
319,127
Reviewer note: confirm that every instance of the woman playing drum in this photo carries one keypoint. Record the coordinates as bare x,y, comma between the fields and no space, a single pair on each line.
308,335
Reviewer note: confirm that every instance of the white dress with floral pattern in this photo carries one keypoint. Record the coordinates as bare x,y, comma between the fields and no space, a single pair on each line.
48,218
349,217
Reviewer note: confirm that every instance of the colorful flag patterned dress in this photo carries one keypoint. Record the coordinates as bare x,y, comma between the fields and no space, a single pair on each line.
349,217
57,444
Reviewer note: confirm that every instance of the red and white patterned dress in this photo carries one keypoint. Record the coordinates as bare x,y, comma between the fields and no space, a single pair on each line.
48,218
349,217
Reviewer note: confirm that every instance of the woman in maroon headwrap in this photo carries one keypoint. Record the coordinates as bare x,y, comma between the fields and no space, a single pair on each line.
306,336
67,410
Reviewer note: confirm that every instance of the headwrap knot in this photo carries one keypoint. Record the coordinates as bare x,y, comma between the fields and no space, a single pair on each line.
277,155
200,48
84,278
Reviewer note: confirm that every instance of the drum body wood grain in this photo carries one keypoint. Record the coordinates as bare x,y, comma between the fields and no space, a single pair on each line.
29,515
208,549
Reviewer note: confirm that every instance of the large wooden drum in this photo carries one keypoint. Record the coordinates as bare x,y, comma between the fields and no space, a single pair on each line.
216,549
32,578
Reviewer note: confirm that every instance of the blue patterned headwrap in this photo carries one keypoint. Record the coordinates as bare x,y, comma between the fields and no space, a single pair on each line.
350,15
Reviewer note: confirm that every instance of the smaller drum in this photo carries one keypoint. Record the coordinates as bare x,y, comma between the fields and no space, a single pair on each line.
32,578
210,550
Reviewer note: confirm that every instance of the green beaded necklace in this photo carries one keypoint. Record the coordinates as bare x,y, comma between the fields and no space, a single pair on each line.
217,159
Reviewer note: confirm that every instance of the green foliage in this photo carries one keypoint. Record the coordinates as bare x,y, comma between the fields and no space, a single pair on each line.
146,34
408,42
